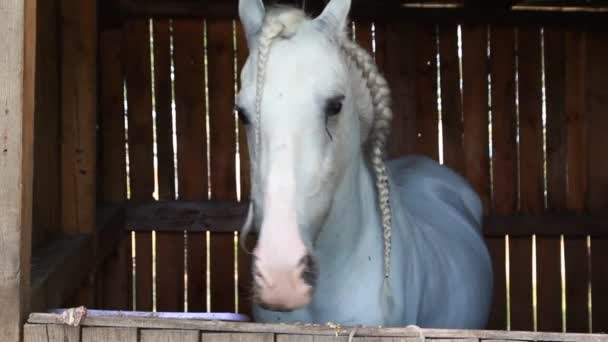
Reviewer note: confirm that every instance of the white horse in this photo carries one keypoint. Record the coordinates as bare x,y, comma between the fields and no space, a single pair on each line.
344,237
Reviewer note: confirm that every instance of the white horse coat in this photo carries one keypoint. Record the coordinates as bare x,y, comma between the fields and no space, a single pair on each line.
440,269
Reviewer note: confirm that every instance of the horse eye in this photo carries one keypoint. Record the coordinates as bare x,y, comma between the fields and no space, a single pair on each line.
334,106
242,115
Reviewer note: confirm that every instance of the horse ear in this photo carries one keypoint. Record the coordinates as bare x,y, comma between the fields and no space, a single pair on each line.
334,16
251,13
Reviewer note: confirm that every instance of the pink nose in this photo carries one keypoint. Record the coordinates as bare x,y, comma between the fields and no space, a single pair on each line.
285,288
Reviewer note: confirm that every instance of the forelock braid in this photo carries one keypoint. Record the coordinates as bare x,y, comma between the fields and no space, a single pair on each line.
383,115
270,30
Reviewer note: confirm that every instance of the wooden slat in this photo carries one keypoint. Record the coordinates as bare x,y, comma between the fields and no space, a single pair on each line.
555,84
141,163
395,52
475,110
109,334
191,142
498,313
577,262
223,149
363,35
212,337
169,336
63,333
35,333
169,246
597,197
116,276
451,99
119,320
504,130
47,188
549,289
427,116
530,174
79,113
17,91
244,258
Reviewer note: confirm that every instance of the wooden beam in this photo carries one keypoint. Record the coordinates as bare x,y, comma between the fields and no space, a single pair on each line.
79,114
17,80
228,216
61,267
117,320
471,11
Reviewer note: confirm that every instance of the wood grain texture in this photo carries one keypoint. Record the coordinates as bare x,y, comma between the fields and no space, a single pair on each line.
577,260
35,333
62,333
169,246
398,65
140,139
555,84
109,335
427,115
169,336
451,99
17,27
504,129
475,110
498,313
597,197
212,337
223,153
79,114
191,143
47,185
112,181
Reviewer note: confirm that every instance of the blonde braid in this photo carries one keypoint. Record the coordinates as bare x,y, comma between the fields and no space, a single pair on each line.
383,115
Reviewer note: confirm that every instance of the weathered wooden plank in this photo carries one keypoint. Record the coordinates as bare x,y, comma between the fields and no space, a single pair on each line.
577,261
398,65
169,336
475,110
504,154
18,31
191,142
222,337
313,330
597,196
47,188
555,85
427,116
504,130
141,162
498,313
79,114
169,246
35,333
530,173
451,99
63,333
549,250
115,276
223,151
363,35
109,334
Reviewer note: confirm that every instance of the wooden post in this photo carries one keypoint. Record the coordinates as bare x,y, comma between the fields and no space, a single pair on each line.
79,114
18,32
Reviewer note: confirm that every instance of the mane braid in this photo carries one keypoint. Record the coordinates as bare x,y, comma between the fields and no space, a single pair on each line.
383,115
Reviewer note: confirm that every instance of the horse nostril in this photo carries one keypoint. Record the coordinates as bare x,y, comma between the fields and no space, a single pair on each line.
309,270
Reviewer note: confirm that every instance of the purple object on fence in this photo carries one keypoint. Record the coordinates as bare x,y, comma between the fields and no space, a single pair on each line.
205,316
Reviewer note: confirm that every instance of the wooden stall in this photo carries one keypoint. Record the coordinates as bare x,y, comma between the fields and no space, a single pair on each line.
125,169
